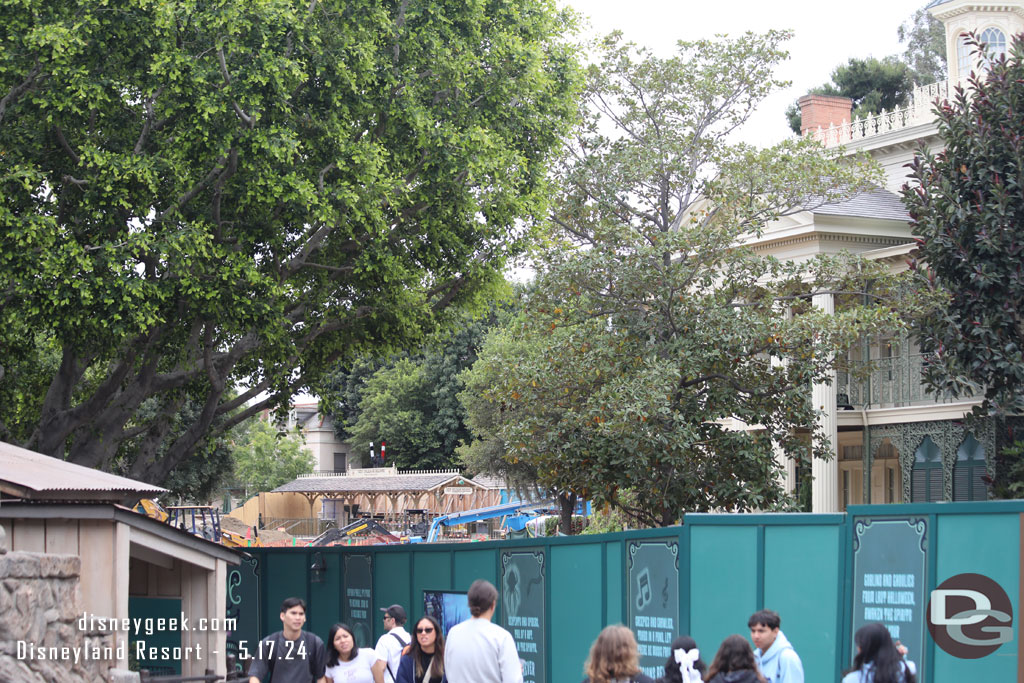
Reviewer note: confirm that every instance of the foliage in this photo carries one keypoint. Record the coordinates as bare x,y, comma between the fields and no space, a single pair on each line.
925,54
873,85
265,459
967,208
655,336
1009,480
199,195
411,402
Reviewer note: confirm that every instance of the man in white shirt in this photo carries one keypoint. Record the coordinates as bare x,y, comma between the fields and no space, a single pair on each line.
478,651
389,647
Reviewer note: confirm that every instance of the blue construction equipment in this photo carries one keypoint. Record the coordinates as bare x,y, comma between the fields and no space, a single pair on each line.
481,514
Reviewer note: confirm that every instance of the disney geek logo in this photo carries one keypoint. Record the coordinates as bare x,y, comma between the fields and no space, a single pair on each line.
970,616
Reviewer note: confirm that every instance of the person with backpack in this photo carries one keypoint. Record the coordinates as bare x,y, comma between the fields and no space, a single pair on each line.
290,655
614,658
390,645
879,659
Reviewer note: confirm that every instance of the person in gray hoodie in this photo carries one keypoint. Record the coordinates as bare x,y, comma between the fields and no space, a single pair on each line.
776,658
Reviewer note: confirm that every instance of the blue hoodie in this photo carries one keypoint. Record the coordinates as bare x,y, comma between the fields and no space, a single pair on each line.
780,664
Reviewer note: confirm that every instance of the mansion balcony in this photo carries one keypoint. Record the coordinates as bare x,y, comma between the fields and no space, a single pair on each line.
894,382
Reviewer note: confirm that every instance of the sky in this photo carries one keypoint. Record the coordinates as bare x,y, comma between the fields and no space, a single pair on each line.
825,35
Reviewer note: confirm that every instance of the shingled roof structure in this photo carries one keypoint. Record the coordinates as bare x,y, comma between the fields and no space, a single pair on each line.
28,475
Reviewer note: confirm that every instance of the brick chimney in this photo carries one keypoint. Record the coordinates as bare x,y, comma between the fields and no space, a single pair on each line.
823,111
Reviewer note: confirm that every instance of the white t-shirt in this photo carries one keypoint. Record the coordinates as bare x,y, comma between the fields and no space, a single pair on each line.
478,651
390,650
356,670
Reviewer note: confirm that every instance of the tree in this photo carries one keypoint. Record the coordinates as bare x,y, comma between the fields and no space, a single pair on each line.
967,208
411,401
488,418
265,459
873,85
925,37
651,341
198,196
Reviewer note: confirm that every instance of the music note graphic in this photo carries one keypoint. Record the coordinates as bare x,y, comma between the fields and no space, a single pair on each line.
643,582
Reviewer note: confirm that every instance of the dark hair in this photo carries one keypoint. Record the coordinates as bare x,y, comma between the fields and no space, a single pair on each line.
613,655
734,654
482,596
875,647
765,617
333,656
293,602
437,663
672,673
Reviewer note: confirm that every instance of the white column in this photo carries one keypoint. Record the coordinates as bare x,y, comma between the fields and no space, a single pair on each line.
825,490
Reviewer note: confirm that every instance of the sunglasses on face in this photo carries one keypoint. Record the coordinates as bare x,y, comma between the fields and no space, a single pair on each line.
425,629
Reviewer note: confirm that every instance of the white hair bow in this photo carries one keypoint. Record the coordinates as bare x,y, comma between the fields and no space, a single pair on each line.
686,660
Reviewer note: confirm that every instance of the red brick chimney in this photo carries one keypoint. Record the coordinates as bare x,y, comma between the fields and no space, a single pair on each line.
823,111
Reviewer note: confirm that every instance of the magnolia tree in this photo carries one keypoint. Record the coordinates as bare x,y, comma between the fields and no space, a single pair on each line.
659,354
197,196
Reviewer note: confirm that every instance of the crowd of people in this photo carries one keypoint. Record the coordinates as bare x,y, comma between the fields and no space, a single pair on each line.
479,651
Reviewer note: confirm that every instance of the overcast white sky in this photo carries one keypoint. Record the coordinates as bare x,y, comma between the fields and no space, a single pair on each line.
825,36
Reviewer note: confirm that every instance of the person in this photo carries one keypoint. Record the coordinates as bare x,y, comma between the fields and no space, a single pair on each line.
290,655
776,658
734,663
685,664
390,645
478,651
346,661
424,659
614,657
878,658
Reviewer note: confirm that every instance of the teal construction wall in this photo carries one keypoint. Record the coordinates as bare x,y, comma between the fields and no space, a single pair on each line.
704,578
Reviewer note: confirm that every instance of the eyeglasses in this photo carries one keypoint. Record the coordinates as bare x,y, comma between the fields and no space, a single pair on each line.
425,629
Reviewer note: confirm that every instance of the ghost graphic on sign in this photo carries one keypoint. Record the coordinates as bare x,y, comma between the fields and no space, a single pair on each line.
513,598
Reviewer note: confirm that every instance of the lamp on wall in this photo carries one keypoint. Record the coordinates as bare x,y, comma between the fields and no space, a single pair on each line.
318,569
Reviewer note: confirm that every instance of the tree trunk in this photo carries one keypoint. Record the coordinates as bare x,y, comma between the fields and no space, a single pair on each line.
566,505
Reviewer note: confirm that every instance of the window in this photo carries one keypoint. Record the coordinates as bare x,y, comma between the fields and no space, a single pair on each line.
969,471
890,485
339,462
926,477
995,45
963,55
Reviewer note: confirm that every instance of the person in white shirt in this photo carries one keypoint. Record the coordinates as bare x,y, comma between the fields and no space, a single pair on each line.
347,662
390,645
478,651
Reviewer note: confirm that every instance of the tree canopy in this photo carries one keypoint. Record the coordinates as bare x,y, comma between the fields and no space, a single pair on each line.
873,85
967,208
196,196
659,352
264,459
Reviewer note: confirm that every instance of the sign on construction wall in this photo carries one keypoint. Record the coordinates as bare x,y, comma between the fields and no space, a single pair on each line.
458,490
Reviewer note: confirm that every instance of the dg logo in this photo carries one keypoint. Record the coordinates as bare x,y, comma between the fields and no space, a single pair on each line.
970,616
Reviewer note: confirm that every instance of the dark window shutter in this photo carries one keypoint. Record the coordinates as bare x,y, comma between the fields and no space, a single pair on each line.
961,481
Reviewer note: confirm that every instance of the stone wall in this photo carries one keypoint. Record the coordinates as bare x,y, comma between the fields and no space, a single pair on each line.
39,609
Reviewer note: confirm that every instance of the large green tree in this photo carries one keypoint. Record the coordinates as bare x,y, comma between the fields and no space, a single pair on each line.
873,85
264,458
925,53
199,195
967,207
411,401
658,353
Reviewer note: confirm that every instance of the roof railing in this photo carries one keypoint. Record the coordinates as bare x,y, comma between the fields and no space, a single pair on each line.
919,111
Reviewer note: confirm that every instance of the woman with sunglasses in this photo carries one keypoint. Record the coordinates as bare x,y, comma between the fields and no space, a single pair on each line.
423,661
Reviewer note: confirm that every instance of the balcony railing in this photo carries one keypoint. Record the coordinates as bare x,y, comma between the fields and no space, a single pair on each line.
918,112
890,383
